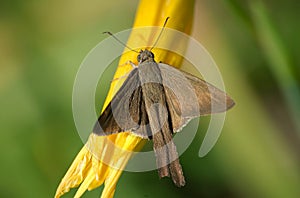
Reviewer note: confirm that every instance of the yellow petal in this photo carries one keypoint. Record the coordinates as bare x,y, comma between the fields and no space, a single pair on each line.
104,158
76,173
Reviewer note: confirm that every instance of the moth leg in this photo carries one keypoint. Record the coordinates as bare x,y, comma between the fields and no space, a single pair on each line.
128,63
125,75
133,65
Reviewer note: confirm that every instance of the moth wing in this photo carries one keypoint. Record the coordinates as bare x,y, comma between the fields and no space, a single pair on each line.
189,96
126,111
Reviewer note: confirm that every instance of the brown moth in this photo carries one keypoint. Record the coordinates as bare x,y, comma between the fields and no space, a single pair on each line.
146,107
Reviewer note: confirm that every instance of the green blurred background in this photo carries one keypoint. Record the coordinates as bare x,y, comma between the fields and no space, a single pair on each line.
255,44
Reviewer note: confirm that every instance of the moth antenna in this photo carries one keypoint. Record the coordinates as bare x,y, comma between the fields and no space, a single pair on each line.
165,23
111,34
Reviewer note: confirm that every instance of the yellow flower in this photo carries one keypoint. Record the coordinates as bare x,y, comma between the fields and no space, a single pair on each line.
89,170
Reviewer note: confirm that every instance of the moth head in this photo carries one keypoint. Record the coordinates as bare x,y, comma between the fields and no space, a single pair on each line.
145,55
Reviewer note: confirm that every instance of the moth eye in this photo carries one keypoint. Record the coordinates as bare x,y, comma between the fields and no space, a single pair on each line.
139,58
151,55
